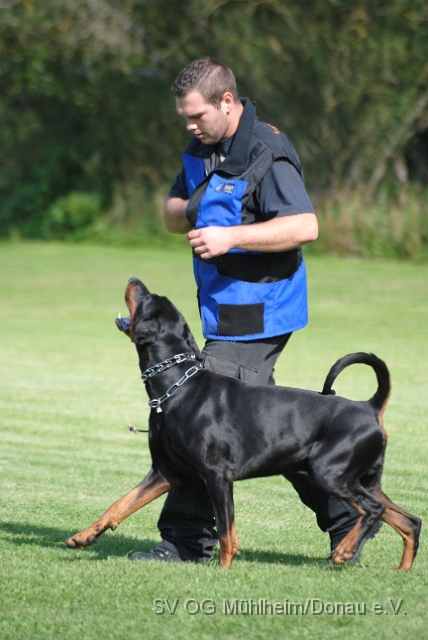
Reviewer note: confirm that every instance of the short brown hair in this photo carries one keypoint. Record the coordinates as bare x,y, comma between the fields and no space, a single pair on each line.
209,77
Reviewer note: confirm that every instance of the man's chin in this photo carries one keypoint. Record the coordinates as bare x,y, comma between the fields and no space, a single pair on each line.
207,140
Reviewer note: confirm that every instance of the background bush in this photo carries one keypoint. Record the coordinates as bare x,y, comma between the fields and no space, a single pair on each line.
86,107
71,215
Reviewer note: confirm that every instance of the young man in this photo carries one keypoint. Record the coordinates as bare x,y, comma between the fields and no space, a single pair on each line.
241,200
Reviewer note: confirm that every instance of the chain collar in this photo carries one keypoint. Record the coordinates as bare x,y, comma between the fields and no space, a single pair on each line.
163,366
156,402
166,364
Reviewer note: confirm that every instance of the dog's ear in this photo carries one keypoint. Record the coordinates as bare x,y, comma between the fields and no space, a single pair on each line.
146,331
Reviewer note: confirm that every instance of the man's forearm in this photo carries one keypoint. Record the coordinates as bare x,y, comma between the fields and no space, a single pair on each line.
279,234
174,216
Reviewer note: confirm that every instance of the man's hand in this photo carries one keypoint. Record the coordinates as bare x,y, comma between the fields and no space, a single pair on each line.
210,242
279,234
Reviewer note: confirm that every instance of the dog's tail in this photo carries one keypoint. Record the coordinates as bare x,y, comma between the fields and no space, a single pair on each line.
380,398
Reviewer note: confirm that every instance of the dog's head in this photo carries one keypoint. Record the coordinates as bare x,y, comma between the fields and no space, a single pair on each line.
154,318
142,325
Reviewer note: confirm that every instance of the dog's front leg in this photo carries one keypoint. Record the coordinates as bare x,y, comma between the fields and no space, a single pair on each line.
153,486
221,494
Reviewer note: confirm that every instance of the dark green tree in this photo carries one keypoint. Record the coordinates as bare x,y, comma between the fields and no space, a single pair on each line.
85,101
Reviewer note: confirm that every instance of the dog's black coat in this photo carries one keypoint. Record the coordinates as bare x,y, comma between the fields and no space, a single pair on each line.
222,429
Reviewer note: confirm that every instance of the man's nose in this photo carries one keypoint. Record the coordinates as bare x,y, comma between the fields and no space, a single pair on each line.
191,126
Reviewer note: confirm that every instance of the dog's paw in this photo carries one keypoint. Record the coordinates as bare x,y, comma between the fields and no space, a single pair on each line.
78,542
343,554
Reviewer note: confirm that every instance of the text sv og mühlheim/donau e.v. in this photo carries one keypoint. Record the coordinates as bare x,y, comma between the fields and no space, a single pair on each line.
263,607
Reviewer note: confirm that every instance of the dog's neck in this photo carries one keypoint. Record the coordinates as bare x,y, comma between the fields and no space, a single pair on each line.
161,333
166,347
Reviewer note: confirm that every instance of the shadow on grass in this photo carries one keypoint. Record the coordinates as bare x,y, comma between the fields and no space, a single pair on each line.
114,544
273,557
25,533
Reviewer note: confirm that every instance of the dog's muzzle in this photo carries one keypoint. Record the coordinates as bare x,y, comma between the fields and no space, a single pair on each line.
123,324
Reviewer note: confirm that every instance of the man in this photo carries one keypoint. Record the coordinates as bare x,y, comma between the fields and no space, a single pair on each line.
241,200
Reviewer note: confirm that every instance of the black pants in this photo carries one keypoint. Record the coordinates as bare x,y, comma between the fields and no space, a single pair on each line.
187,521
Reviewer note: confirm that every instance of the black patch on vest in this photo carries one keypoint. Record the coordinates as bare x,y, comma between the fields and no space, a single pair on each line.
240,319
264,268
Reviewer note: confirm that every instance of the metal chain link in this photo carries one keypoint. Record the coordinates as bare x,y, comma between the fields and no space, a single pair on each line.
166,364
156,402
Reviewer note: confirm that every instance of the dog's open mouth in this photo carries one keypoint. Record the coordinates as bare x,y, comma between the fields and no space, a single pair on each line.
123,324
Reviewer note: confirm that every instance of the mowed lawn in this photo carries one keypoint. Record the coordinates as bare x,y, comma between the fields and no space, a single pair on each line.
70,384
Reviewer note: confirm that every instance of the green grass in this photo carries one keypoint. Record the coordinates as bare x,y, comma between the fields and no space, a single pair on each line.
69,385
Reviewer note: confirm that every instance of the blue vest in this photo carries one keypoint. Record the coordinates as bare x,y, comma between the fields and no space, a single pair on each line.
233,309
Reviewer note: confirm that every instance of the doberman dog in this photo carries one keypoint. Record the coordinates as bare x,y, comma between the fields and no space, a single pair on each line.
222,429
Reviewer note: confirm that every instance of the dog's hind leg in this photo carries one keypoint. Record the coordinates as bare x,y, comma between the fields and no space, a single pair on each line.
406,525
154,485
350,547
367,505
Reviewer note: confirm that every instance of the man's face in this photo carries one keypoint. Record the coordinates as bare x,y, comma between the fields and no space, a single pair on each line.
207,123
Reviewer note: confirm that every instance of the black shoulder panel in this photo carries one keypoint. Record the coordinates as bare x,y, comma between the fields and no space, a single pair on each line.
278,142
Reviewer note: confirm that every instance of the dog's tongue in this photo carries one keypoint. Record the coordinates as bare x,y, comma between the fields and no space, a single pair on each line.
123,324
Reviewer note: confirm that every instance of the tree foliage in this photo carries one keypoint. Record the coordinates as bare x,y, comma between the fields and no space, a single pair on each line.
85,100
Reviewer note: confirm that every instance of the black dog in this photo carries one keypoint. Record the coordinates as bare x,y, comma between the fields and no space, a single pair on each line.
221,429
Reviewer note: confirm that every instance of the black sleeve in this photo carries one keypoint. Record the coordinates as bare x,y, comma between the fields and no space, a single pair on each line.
280,193
179,188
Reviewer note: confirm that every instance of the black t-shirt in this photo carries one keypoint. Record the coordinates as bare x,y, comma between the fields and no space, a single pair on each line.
280,193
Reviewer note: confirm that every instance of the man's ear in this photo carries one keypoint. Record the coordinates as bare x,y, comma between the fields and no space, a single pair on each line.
227,102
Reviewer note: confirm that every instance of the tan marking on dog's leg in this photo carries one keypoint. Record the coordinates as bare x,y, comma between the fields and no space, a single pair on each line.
401,521
347,547
228,546
234,538
153,486
399,524
226,550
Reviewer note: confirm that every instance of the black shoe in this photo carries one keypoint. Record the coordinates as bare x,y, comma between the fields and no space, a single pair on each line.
159,553
371,534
